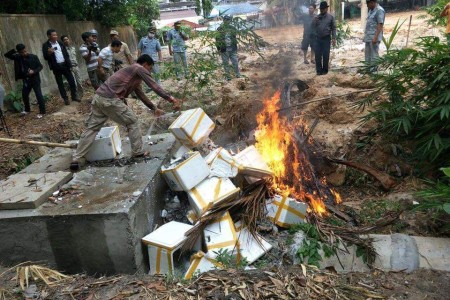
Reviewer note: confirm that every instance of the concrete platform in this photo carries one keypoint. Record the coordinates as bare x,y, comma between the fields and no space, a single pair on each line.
96,228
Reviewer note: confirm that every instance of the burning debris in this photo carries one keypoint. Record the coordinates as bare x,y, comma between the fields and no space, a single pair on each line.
230,194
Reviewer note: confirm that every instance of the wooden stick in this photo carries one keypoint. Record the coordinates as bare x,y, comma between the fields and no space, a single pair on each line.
409,29
53,145
326,98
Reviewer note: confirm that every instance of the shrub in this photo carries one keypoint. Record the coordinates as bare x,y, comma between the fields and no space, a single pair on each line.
417,108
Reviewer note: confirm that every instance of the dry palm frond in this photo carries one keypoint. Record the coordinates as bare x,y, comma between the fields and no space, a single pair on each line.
4,294
352,235
48,276
250,205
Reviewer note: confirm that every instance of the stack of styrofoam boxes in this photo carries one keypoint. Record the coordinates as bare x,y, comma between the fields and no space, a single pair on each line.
207,182
282,210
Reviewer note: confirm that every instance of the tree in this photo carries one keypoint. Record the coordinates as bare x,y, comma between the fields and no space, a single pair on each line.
142,13
203,6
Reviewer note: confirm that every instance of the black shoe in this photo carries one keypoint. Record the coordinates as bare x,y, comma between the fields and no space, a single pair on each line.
66,102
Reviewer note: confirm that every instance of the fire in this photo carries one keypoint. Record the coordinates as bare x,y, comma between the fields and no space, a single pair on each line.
293,173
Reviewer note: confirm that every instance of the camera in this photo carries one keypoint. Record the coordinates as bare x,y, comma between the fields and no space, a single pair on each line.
55,48
93,47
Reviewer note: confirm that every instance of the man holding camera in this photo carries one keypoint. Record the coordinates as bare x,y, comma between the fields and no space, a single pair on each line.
123,58
55,53
105,60
89,51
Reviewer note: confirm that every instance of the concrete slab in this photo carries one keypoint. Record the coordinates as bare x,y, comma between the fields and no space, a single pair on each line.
98,228
397,252
22,191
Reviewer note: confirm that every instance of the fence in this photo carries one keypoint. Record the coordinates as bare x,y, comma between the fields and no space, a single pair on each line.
31,31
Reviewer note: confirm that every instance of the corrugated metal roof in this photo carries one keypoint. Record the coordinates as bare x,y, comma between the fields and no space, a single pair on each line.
237,9
177,14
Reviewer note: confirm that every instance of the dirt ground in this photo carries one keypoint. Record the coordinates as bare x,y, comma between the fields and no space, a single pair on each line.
234,105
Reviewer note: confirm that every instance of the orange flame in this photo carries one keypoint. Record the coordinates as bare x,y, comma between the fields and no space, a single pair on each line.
293,173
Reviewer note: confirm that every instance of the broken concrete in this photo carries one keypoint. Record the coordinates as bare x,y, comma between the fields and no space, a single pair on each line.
21,191
96,228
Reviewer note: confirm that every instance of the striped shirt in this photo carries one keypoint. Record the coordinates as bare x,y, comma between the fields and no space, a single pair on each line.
128,80
93,63
107,55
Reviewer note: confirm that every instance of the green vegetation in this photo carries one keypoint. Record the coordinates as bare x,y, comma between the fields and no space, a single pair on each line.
437,197
416,106
138,13
434,13
14,100
312,244
205,66
204,6
229,260
373,210
388,42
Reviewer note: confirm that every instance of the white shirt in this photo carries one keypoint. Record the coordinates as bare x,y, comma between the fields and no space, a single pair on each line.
58,52
107,55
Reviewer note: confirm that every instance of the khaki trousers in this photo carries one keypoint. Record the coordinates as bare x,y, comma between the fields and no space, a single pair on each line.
102,109
76,75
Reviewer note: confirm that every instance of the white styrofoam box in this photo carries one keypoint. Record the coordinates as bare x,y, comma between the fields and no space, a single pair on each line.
162,243
220,235
184,175
182,150
222,164
192,127
209,191
200,263
107,144
285,211
249,248
251,163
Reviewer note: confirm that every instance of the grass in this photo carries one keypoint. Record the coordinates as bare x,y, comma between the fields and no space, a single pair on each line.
373,210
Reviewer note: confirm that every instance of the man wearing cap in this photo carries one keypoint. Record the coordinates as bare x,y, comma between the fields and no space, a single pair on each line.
324,31
105,60
226,43
73,59
89,51
150,45
177,48
94,34
123,58
373,33
109,102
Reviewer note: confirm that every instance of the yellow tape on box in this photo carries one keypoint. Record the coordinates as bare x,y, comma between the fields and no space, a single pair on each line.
187,174
201,262
192,127
220,235
209,191
222,164
285,211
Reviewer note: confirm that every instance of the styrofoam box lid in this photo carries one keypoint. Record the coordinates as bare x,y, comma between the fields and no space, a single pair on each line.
182,118
105,132
252,158
169,235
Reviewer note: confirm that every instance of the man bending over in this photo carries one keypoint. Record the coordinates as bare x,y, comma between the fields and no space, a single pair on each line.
109,102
